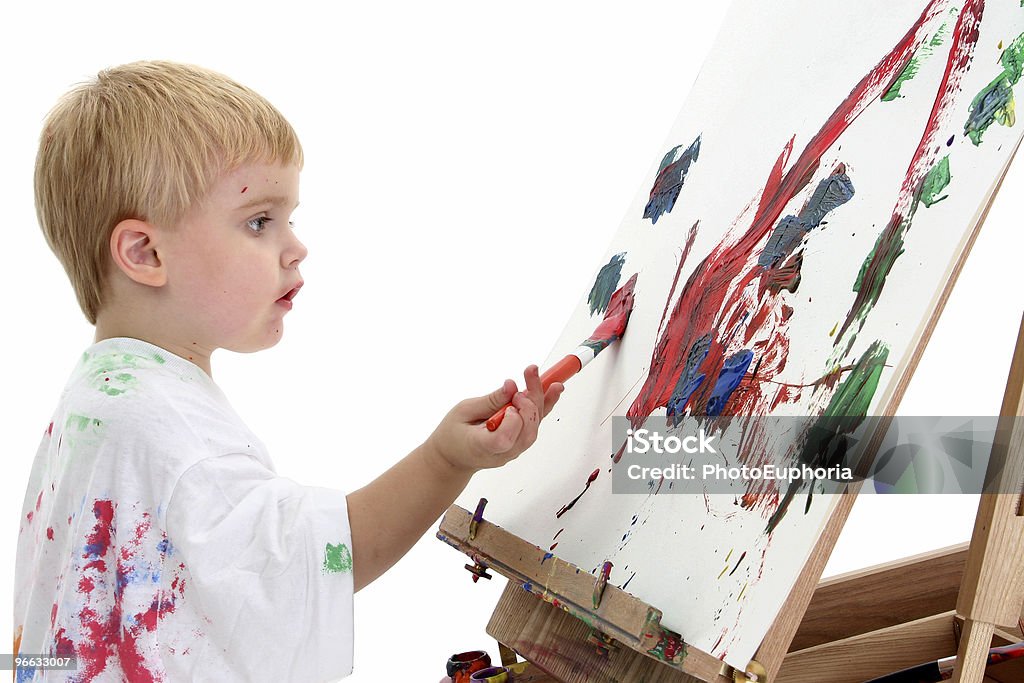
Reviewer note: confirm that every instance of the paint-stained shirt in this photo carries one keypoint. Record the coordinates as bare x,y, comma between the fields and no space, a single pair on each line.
157,543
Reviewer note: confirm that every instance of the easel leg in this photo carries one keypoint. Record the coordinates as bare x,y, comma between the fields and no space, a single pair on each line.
507,654
972,655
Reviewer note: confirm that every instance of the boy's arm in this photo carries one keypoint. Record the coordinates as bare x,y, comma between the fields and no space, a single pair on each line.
391,513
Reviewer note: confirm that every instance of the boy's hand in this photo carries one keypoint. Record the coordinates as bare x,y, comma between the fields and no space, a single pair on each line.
463,441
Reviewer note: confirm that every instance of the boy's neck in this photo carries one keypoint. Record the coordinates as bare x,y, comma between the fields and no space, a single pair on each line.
108,327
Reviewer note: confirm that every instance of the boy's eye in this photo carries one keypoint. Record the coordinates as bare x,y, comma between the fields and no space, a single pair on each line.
258,224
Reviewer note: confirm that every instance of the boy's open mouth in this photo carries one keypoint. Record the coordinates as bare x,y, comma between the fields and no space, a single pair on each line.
291,293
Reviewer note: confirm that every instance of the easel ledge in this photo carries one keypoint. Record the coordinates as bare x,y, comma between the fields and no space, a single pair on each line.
534,573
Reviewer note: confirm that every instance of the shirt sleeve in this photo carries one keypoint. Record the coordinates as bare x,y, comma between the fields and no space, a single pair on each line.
270,566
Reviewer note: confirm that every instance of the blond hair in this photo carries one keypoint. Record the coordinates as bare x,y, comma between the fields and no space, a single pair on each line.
145,140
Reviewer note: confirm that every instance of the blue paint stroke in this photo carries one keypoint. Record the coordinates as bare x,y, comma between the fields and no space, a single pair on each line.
831,193
689,381
729,378
605,284
669,181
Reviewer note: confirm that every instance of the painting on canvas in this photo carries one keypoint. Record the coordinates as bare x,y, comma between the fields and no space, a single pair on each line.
790,248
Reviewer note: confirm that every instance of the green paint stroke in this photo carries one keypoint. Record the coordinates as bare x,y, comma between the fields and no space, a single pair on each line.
914,65
337,558
843,415
887,248
995,104
909,71
870,281
878,263
934,183
852,399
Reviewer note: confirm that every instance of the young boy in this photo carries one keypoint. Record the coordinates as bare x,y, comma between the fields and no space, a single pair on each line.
156,541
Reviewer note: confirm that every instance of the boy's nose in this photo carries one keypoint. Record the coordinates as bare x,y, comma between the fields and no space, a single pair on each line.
294,254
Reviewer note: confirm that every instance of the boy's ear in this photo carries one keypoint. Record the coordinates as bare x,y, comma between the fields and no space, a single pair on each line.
133,246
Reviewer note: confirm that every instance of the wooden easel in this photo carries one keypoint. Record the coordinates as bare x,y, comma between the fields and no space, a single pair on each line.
848,629
960,600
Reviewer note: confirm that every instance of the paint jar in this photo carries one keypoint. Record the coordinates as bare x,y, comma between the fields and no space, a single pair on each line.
462,666
494,674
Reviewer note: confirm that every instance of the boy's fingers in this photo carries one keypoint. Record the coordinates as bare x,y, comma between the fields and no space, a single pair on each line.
483,407
551,396
504,437
530,413
533,385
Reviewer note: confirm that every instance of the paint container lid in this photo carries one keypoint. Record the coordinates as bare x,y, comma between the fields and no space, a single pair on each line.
494,674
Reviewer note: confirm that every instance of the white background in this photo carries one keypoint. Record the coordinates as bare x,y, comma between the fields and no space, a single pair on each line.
466,166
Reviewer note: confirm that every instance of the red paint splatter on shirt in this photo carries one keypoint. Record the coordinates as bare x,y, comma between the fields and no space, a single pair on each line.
107,631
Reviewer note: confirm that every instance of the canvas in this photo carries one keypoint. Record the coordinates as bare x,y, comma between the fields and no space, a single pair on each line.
790,248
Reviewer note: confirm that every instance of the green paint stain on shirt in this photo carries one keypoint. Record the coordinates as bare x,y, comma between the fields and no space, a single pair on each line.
337,558
115,384
80,431
81,422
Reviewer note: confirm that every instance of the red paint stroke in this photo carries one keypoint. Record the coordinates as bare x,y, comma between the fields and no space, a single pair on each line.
785,277
617,316
669,646
729,285
690,239
569,506
49,533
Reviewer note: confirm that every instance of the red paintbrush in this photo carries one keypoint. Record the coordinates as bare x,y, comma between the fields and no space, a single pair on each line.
610,330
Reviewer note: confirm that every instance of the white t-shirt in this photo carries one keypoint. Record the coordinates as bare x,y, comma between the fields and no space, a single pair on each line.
156,543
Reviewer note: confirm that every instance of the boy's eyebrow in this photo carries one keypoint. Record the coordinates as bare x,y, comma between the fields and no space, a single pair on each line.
270,199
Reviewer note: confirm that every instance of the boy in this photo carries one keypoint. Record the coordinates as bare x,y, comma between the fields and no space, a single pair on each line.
156,541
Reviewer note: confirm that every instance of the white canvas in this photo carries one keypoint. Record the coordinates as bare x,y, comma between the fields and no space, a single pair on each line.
778,72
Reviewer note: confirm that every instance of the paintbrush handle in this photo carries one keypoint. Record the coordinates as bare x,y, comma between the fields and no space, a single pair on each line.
559,372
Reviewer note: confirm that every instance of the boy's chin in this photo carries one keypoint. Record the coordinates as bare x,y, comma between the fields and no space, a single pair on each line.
254,345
